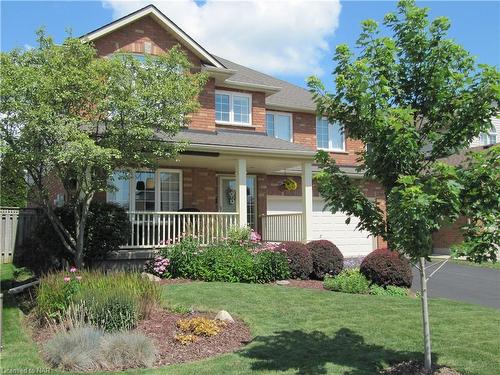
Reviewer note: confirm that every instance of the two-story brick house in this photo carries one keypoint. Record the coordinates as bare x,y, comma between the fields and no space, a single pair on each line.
251,133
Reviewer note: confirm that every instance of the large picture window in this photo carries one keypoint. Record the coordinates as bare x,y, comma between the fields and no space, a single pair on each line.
329,136
159,190
233,108
279,125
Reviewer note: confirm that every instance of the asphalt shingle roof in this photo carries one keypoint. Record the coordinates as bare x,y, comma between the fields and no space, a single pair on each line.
235,138
289,95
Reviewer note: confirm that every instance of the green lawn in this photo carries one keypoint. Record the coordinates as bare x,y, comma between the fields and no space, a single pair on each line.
491,265
298,331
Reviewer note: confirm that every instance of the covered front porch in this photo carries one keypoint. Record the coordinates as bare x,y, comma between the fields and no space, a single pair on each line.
210,189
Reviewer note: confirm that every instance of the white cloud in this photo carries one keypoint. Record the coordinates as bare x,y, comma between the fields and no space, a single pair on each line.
272,36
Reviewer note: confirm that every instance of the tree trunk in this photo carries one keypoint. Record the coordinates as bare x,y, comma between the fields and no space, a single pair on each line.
80,225
425,318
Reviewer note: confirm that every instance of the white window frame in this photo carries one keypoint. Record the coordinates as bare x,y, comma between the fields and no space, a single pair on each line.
132,186
488,136
231,95
330,137
290,115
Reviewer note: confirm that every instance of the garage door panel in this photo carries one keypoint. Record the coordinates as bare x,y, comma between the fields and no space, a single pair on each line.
327,226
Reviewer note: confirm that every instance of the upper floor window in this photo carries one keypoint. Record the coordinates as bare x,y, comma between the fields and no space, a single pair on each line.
233,108
489,138
279,125
329,136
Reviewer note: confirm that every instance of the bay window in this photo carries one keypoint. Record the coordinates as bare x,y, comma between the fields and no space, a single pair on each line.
233,108
159,190
329,136
279,125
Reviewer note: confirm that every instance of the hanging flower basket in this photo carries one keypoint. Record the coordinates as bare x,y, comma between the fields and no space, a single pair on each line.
289,184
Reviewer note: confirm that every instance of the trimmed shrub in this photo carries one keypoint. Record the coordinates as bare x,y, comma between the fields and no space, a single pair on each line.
90,349
183,258
348,281
390,290
270,266
108,227
299,259
385,267
327,259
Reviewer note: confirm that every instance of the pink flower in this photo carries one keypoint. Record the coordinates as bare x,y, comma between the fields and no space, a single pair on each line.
66,279
72,269
78,278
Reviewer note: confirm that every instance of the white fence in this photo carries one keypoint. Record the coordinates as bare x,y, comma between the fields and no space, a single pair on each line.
282,227
16,226
156,229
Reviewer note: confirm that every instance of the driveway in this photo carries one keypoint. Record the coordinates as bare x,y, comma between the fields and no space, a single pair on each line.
463,283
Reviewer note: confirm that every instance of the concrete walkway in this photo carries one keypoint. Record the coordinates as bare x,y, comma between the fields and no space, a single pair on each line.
463,283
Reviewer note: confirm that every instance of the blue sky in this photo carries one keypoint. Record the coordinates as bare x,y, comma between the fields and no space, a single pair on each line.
475,25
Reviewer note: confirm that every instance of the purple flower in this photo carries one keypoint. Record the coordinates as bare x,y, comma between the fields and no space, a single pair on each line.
66,279
72,269
78,278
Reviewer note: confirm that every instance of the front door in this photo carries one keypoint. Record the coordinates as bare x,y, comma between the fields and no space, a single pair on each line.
227,197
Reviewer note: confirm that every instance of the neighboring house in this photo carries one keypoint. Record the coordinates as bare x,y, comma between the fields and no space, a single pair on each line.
252,132
450,234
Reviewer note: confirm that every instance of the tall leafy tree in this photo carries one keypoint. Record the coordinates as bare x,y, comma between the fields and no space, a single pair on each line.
71,116
412,97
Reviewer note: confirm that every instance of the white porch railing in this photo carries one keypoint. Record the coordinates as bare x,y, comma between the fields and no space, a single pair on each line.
282,227
157,229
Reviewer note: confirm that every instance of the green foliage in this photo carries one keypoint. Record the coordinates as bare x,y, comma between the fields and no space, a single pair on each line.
108,227
327,259
95,290
348,281
13,191
270,266
414,96
89,349
390,290
181,309
116,311
74,117
230,260
480,199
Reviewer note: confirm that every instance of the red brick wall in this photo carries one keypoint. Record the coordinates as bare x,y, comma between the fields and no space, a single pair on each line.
204,118
200,189
131,38
449,234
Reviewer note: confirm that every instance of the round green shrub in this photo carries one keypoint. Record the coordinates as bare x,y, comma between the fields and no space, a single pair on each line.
348,281
327,259
385,267
270,266
107,228
390,290
299,258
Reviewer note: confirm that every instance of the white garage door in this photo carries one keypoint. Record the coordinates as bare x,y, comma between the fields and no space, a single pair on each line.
327,226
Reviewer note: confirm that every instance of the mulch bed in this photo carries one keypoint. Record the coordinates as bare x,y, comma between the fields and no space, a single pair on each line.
307,284
175,281
417,368
162,328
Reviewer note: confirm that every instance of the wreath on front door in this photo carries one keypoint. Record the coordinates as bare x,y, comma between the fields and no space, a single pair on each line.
289,184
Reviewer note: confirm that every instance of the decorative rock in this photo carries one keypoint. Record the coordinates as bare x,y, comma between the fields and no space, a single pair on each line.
283,282
151,277
224,316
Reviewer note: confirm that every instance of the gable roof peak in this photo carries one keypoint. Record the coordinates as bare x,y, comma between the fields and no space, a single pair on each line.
165,22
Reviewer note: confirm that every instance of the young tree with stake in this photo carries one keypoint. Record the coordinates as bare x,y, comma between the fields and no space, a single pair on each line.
71,116
413,98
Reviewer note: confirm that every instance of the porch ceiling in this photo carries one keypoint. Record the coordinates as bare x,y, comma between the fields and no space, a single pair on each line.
226,163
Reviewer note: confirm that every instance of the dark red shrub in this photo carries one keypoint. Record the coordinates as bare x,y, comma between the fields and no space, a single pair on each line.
385,267
299,258
327,259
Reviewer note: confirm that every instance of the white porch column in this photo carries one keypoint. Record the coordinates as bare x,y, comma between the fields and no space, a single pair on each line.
241,191
307,201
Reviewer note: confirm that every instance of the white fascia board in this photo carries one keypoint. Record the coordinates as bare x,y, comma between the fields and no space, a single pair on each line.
289,154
